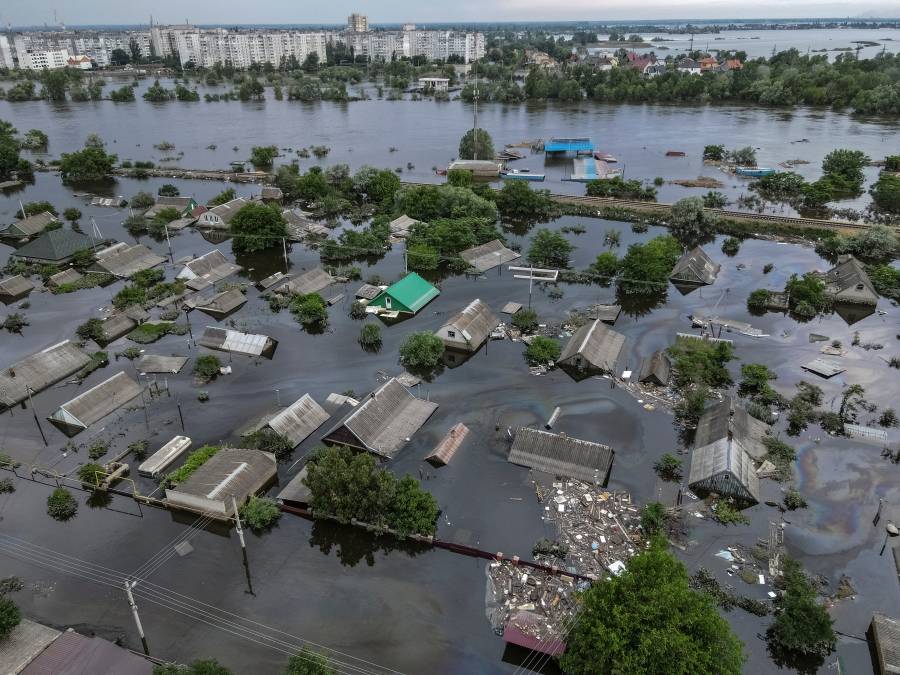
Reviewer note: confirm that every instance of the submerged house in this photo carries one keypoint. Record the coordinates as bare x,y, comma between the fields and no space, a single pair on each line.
489,255
725,444
561,455
848,282
222,304
219,217
382,422
310,281
656,369
569,146
210,267
95,404
695,268
54,247
184,205
248,344
35,373
15,288
29,227
884,638
479,168
468,330
229,477
406,296
593,348
400,227
123,260
296,422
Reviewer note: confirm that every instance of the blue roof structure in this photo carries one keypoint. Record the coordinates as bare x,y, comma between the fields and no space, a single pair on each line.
576,145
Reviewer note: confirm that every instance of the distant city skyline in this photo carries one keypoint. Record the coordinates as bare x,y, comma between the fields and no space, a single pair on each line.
100,12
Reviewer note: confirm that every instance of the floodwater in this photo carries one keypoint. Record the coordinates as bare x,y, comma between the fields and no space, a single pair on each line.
415,137
423,611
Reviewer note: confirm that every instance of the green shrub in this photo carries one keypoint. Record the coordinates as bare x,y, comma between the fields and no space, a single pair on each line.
260,513
207,366
421,351
526,320
731,246
98,448
91,475
61,505
311,311
542,350
10,617
370,336
193,462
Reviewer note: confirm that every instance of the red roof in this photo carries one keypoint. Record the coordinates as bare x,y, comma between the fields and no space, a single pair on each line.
199,211
734,64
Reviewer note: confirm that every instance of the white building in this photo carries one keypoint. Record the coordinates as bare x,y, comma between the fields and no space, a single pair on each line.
80,61
6,53
357,23
44,60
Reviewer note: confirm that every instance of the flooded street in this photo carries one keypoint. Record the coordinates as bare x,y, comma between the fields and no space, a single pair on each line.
423,610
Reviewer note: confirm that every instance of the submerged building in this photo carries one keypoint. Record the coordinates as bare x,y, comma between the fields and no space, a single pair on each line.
848,282
96,403
469,329
406,296
695,268
43,369
594,348
562,455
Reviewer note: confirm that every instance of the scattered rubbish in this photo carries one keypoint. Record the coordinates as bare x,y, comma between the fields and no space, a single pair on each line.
815,337
725,555
183,548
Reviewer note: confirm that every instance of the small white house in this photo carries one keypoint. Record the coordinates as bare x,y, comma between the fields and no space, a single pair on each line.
688,66
434,83
468,330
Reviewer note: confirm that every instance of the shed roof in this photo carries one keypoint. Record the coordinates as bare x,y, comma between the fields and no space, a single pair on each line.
886,639
489,255
231,472
296,492
562,455
211,267
823,367
67,276
39,371
310,281
224,303
300,225
411,291
296,422
475,322
368,292
720,418
444,451
123,260
399,227
599,346
95,404
15,287
656,368
30,226
234,341
382,422
54,246
115,326
24,644
271,280
606,313
75,654
569,145
695,267
152,363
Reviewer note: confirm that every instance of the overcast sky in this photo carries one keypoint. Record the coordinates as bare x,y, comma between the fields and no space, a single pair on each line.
36,12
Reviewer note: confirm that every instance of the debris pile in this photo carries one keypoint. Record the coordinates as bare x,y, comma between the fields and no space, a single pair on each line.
599,529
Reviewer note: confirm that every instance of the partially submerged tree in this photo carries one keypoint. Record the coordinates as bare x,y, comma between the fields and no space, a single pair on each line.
476,144
550,249
690,222
257,227
422,351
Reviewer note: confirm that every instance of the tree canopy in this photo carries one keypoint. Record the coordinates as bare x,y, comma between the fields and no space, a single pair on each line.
690,222
257,227
648,620
476,144
550,249
90,163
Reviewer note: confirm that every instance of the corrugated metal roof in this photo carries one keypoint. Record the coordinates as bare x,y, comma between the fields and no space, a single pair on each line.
54,246
848,273
39,371
412,291
151,363
886,639
296,492
489,255
128,260
69,276
474,323
240,343
15,287
212,267
271,280
310,281
115,326
23,644
95,404
444,451
226,211
296,422
562,455
368,292
823,367
720,418
224,303
75,654
383,421
569,145
594,345
656,368
30,226
695,267
724,467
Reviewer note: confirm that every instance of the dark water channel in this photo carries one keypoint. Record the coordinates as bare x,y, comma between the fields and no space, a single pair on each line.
424,611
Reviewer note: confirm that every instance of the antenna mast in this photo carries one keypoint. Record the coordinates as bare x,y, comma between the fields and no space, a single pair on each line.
475,117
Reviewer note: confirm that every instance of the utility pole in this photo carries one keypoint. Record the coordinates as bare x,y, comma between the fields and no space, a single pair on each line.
34,412
240,532
137,618
169,243
284,248
475,119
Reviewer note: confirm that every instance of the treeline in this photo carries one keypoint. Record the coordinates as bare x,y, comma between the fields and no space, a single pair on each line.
869,86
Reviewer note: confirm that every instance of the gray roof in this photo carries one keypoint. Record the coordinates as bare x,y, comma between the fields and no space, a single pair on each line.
95,404
489,255
75,654
725,468
606,313
562,455
296,422
296,492
399,227
162,202
54,246
68,276
823,367
383,421
236,342
226,211
717,420
224,303
656,368
30,226
848,274
594,346
695,267
123,260
271,280
368,292
310,281
271,192
299,224
211,267
15,287
474,323
23,644
117,325
886,639
39,371
151,363
231,472
511,308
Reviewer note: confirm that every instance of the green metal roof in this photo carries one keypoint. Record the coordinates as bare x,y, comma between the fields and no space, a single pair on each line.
55,245
412,291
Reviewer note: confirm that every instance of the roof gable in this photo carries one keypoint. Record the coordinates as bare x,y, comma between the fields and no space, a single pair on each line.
562,455
412,292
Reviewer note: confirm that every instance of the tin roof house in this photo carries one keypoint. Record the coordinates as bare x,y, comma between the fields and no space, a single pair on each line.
15,288
695,267
296,422
848,282
406,296
184,205
593,348
96,403
656,369
219,217
468,330
54,247
562,455
29,227
38,371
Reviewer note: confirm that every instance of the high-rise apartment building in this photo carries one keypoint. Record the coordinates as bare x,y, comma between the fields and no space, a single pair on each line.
357,23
